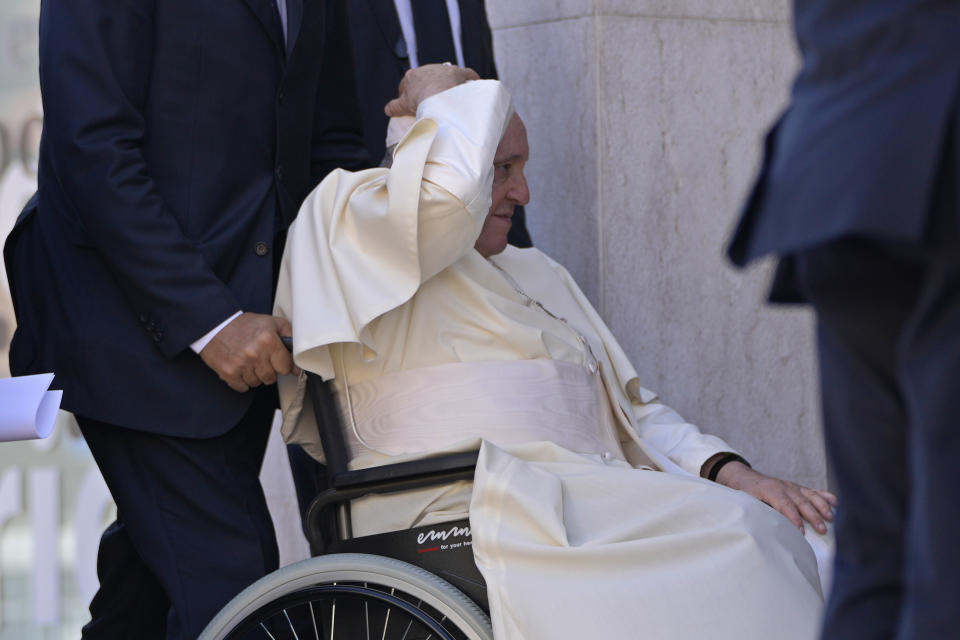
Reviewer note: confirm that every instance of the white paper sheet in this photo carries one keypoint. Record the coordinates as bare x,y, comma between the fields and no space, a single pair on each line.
28,409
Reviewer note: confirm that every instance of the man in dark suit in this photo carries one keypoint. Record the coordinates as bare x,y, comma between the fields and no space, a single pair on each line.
179,140
858,196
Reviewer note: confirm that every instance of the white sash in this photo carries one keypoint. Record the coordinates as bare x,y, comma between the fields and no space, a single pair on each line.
432,408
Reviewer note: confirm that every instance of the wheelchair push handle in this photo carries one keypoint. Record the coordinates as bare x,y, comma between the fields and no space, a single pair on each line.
320,396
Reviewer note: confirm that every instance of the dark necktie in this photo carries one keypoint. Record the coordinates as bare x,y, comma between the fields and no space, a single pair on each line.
276,22
431,23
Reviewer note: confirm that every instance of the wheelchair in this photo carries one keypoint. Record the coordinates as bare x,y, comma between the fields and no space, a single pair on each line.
415,584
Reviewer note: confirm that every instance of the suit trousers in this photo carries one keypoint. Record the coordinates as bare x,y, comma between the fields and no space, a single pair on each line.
192,526
888,317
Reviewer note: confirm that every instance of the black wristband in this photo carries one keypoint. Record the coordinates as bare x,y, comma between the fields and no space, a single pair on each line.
723,461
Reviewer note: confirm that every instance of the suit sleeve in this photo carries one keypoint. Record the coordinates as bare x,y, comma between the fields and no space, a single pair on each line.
338,127
95,66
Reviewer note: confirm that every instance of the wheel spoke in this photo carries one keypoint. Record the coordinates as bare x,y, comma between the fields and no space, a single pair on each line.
333,617
366,614
442,620
366,617
386,621
410,624
269,635
313,619
290,624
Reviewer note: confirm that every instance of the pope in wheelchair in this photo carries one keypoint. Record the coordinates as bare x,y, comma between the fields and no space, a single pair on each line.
595,510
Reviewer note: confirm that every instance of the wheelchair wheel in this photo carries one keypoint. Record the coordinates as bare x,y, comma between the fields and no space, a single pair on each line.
350,596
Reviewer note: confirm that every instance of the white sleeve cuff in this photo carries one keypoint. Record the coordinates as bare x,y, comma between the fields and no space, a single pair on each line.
205,340
684,444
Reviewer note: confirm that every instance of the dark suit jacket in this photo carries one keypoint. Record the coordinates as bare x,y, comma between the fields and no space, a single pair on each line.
180,138
859,148
380,58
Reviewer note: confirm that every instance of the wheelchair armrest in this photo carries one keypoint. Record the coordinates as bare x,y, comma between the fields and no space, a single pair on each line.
403,470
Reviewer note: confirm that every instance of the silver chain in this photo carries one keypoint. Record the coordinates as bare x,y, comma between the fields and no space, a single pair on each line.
590,358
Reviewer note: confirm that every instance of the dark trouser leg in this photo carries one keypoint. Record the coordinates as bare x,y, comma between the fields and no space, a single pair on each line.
930,374
889,338
130,602
193,511
863,300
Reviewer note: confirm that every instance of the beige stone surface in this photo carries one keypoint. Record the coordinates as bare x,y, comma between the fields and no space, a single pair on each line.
752,10
511,13
550,70
684,106
503,14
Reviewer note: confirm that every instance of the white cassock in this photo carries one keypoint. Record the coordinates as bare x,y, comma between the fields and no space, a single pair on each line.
434,348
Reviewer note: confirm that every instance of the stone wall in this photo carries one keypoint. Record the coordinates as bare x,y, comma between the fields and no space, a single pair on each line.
646,119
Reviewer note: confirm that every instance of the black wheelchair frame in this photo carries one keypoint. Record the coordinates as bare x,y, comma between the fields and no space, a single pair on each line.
444,550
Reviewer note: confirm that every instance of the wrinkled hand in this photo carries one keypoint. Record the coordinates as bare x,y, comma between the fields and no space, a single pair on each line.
248,352
421,83
796,502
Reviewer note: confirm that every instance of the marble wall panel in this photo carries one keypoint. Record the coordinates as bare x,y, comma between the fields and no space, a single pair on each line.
751,10
550,69
504,13
684,104
512,13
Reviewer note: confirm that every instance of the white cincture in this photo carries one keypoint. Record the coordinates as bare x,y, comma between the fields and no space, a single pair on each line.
437,408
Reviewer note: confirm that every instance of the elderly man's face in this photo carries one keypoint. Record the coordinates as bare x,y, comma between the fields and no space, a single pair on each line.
509,188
